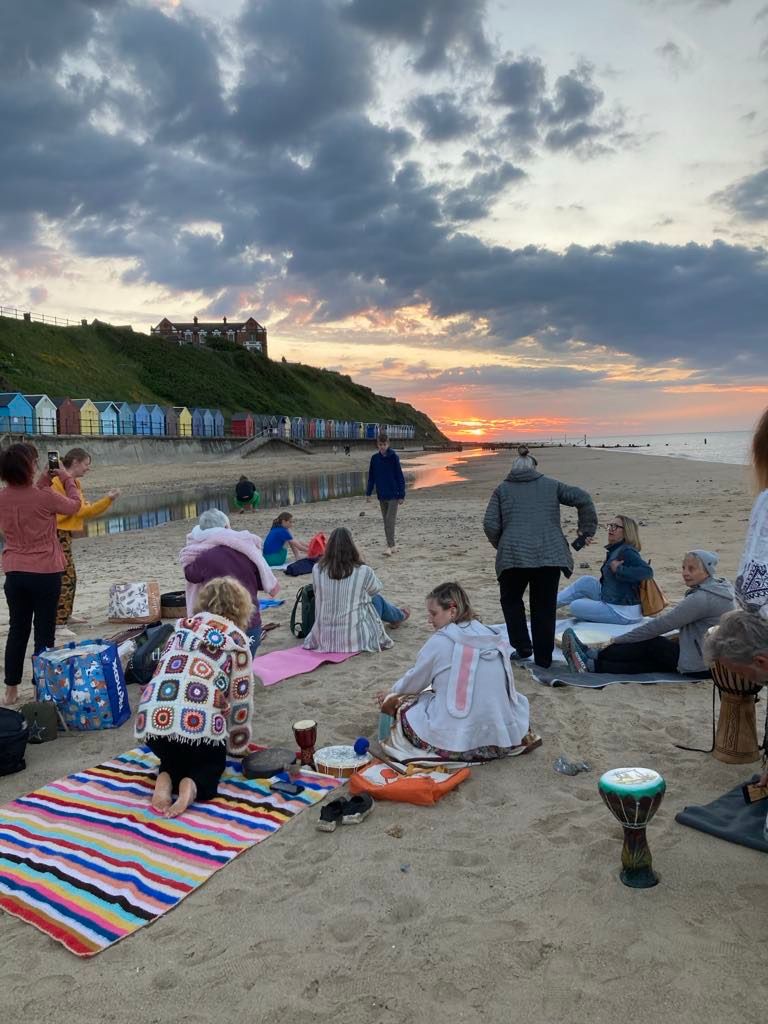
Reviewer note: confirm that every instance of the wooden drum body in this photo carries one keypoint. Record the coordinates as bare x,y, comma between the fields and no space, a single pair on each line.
736,736
633,796
305,734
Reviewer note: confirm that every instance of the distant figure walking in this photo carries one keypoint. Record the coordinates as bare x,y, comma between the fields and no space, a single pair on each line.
522,522
77,462
246,495
386,475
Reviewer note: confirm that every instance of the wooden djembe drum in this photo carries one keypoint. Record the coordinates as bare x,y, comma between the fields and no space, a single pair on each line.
633,796
736,736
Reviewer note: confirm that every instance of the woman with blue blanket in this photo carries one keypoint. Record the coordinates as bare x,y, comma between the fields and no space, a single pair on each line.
459,702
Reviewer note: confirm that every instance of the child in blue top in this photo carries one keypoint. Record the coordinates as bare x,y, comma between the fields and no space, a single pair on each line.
279,539
385,474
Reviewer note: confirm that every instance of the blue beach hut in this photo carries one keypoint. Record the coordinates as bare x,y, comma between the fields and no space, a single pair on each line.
218,422
156,415
198,422
109,418
142,422
125,421
17,415
45,413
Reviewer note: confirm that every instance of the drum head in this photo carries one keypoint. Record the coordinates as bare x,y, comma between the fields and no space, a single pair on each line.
305,723
636,782
339,758
263,764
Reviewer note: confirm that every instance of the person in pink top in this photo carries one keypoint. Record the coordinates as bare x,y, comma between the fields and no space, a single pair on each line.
32,557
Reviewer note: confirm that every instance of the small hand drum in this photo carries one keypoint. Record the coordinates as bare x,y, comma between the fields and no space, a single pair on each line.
305,734
633,796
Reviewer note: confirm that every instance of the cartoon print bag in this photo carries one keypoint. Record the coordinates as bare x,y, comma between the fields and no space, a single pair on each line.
423,787
85,681
134,602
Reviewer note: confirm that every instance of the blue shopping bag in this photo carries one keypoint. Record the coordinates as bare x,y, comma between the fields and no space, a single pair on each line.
85,681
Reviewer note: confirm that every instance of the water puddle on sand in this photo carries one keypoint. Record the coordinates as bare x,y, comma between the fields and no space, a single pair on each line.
145,511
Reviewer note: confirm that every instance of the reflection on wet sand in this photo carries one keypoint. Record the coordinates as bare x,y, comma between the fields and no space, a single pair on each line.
142,512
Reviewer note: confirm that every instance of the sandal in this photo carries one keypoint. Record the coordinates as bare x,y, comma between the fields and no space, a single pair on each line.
406,615
331,815
357,809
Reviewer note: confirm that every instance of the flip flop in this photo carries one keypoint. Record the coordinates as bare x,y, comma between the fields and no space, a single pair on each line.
356,809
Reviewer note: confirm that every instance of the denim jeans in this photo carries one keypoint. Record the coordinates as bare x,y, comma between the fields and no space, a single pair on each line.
583,595
387,612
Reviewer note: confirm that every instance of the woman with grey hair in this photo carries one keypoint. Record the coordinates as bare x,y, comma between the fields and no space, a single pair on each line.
522,522
646,648
213,549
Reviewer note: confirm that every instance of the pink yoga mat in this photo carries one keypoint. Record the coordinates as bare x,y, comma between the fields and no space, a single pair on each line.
278,665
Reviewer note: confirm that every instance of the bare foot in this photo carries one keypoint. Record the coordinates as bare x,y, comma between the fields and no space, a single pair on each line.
77,620
161,798
387,551
11,696
187,794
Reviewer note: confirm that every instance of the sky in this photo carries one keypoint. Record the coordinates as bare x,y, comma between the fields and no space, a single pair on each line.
528,220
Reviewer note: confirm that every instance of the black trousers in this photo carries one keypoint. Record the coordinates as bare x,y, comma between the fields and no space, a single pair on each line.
543,582
204,763
31,596
660,654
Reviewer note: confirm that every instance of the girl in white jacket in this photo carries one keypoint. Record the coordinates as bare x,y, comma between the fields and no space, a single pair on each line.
466,707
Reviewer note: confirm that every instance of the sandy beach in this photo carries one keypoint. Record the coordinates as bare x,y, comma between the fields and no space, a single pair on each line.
500,903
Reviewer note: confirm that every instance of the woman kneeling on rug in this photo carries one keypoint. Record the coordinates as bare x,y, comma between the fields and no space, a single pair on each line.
646,649
198,704
466,707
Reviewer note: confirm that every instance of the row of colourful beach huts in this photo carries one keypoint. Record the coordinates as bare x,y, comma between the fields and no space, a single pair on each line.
39,414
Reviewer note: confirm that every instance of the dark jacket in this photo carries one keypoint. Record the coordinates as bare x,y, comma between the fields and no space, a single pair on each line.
385,474
244,490
522,521
224,561
623,586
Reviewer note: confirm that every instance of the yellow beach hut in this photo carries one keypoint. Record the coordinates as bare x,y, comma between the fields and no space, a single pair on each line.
185,420
90,421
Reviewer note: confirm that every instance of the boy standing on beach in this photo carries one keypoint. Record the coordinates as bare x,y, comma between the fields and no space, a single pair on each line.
386,475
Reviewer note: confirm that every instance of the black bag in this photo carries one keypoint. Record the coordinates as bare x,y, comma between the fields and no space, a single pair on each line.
42,720
303,614
143,662
13,741
300,567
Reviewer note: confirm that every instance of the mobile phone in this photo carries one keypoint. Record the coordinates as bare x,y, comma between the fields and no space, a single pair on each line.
53,460
286,788
579,543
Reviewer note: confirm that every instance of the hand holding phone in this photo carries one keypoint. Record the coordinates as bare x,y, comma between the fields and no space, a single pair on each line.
53,461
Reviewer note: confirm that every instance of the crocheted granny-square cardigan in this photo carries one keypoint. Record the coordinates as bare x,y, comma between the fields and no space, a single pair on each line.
202,688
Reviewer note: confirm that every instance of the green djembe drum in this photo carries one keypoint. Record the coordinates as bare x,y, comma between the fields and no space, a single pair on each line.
633,796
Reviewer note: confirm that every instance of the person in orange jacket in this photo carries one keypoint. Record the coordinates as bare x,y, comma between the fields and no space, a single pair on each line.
77,462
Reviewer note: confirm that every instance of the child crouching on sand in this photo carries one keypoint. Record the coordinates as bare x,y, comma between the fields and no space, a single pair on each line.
198,705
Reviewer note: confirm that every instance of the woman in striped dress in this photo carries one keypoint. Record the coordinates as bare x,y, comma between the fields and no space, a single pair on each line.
350,610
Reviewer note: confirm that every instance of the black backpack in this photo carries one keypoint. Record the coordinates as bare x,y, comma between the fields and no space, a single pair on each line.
14,734
142,664
303,614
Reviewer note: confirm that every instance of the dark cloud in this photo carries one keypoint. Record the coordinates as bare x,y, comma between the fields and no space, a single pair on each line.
474,200
437,29
35,33
748,197
570,118
442,116
302,65
500,375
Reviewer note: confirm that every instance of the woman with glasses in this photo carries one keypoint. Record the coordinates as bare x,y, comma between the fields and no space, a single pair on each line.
615,597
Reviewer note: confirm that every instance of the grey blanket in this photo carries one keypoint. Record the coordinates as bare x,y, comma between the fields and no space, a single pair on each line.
562,676
730,818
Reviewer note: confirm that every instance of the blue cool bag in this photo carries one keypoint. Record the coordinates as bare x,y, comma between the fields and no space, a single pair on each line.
85,681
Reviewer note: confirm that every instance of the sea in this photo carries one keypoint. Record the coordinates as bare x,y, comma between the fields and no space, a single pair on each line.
731,446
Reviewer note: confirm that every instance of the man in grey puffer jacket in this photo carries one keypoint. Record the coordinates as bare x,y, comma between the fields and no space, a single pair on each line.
522,522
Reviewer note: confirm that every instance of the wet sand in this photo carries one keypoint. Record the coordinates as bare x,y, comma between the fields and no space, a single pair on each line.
500,903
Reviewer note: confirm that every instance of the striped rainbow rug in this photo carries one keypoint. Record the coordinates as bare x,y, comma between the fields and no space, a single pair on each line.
87,861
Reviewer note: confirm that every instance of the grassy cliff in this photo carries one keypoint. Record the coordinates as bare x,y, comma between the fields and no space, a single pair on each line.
106,363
